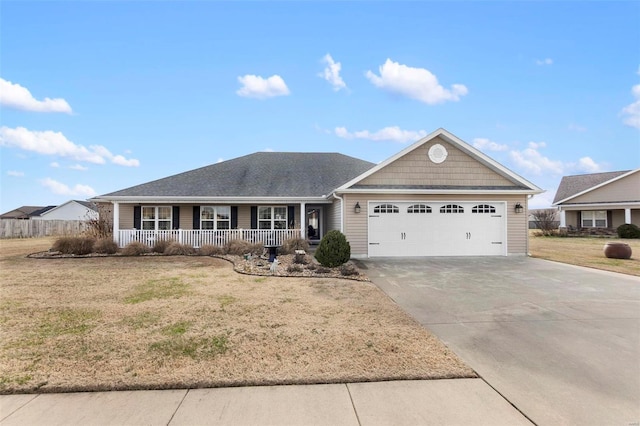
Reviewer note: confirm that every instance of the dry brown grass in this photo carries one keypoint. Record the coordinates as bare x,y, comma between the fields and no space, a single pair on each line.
175,322
584,252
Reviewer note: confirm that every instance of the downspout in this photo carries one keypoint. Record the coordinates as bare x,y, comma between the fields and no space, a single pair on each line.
341,211
530,196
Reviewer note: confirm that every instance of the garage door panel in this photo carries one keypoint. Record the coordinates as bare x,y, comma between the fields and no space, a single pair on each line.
437,229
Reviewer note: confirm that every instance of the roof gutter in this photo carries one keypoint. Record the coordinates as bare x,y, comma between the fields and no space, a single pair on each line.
440,191
194,200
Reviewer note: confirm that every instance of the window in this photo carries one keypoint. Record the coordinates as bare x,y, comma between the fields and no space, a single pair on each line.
215,217
272,218
452,208
156,218
386,208
594,219
483,208
419,208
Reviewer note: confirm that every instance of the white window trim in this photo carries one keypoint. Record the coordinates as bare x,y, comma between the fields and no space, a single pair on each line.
155,219
215,219
272,218
591,215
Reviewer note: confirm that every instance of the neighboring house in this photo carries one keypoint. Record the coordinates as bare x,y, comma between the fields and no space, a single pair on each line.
599,200
438,197
71,210
26,212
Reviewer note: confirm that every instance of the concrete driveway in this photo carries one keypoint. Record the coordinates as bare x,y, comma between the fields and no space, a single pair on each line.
561,343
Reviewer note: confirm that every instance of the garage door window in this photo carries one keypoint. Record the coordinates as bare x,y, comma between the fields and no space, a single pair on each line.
419,208
452,208
483,208
386,208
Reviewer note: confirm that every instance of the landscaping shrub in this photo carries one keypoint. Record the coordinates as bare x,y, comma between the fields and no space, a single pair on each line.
105,246
546,222
294,268
334,249
177,249
210,250
628,230
161,245
74,245
240,247
348,270
292,244
135,248
98,228
300,259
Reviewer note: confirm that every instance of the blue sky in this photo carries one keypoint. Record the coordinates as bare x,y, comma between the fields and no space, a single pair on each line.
99,96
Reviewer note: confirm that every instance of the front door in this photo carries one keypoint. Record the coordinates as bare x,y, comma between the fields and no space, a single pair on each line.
314,224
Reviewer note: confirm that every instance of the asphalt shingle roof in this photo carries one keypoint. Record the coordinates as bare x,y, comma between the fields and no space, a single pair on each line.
262,174
572,185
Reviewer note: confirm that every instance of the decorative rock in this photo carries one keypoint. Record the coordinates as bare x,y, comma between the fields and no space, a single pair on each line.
617,251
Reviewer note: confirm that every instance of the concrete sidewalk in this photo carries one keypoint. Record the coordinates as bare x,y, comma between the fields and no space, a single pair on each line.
424,402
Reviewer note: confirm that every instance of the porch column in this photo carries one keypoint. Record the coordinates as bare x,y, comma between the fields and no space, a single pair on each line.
563,219
627,215
303,221
116,222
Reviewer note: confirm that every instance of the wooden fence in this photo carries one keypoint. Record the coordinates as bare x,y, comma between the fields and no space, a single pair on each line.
19,228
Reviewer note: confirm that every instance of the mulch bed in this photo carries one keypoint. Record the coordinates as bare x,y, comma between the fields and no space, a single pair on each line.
287,266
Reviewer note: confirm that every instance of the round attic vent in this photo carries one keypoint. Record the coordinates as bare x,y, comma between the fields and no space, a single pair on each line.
438,153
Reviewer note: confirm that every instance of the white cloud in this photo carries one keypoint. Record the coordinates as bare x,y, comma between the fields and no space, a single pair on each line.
586,164
55,143
54,164
393,133
220,160
576,128
15,173
268,150
415,83
485,144
531,160
331,73
62,189
127,162
631,112
79,167
537,145
15,96
545,61
254,86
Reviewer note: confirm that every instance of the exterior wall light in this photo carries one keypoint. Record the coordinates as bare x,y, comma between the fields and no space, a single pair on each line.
519,208
357,208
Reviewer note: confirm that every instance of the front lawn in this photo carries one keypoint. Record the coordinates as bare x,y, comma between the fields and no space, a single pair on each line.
584,251
189,321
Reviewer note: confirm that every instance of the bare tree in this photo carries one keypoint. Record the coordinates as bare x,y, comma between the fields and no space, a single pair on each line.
545,220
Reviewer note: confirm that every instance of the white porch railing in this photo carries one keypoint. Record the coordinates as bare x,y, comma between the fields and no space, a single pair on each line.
199,237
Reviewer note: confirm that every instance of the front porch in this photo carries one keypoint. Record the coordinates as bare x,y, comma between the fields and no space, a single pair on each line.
199,237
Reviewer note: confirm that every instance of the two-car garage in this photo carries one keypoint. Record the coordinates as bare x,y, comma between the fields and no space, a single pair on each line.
437,228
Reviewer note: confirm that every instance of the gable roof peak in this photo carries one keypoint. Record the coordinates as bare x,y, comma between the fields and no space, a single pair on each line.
458,143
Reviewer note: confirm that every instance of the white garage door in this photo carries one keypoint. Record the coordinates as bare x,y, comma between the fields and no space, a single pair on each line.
444,228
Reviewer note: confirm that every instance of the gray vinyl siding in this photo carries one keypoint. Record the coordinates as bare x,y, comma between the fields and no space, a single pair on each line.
333,215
